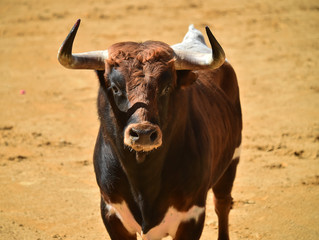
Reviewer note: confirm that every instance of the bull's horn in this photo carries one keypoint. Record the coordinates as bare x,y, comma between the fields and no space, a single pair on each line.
88,60
193,53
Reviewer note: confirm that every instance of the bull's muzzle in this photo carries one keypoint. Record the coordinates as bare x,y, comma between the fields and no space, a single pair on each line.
143,137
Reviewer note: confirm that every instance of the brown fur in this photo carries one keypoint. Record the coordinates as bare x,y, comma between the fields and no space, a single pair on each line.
139,60
200,128
141,65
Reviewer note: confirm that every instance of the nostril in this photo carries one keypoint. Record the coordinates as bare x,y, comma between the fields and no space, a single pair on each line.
153,136
143,136
133,133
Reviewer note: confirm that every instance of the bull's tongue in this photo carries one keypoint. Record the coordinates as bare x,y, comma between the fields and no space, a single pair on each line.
140,156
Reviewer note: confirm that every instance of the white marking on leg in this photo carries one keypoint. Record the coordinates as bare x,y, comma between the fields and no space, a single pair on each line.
124,214
237,153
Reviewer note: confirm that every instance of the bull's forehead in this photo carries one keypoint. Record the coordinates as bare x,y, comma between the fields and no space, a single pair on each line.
148,65
143,83
135,55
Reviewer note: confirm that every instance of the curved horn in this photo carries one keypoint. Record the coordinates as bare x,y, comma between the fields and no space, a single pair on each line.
193,53
87,60
218,54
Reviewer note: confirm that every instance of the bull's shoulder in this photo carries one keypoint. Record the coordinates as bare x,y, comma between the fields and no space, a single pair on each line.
224,78
110,175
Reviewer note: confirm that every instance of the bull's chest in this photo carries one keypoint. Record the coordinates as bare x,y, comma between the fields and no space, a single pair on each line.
167,227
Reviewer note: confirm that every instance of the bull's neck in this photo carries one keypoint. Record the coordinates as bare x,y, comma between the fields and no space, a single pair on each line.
145,178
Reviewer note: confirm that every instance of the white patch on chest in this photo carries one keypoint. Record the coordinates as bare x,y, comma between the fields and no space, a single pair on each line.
237,153
168,226
171,221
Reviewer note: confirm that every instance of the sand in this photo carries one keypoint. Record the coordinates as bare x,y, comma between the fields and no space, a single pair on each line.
48,120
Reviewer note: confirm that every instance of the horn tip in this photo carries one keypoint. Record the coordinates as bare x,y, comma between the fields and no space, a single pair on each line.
77,23
207,30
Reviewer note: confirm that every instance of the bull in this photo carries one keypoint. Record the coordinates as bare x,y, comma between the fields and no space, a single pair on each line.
170,130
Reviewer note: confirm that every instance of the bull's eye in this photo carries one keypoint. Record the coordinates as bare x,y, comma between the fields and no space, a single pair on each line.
116,90
166,90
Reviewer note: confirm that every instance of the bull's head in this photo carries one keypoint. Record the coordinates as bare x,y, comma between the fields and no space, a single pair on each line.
140,77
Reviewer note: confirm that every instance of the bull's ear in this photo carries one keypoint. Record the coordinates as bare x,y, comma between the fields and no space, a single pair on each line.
185,78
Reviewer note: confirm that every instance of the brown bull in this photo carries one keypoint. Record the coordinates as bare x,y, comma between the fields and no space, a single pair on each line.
170,131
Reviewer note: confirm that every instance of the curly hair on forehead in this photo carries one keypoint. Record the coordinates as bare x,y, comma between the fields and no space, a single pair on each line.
135,60
146,52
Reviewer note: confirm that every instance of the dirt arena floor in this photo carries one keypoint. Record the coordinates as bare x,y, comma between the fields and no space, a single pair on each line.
48,119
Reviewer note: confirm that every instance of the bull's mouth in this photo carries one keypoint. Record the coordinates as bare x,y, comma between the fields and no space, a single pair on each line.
140,148
143,138
140,156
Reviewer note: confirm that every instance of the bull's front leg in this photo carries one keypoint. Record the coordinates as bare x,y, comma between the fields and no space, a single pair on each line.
114,225
192,229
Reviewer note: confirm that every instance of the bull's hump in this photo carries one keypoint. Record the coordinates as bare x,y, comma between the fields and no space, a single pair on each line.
168,226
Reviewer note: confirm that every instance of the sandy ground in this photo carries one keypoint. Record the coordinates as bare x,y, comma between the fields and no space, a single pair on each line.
47,134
